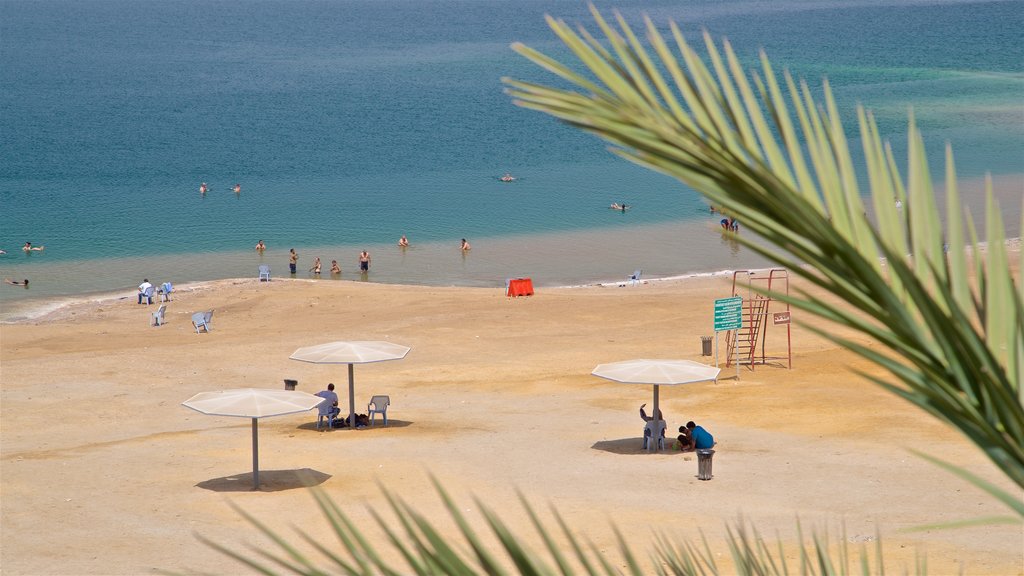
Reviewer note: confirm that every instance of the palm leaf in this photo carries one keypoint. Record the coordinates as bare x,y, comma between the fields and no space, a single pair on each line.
955,349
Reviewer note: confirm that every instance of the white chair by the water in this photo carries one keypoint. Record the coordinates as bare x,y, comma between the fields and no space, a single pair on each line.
264,272
146,295
165,292
378,405
202,320
158,316
634,278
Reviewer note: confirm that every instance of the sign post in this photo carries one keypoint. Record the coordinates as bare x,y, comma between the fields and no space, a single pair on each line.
728,316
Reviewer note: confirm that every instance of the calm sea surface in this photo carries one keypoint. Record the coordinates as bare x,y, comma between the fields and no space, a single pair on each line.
350,122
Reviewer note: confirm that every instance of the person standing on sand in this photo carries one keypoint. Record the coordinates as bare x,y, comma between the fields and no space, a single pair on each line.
293,260
364,261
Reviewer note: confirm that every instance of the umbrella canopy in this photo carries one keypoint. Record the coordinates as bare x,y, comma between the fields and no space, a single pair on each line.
657,372
351,352
668,372
254,403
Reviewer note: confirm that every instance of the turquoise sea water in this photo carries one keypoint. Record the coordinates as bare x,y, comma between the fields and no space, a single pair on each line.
350,122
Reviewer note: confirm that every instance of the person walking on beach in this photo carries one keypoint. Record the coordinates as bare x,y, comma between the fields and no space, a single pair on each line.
293,260
364,261
316,266
465,245
260,246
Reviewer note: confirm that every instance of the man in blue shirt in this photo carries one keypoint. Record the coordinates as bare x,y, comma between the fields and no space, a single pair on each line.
701,437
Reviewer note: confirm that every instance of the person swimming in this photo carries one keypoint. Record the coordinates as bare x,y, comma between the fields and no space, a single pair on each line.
17,283
203,189
403,241
508,177
28,247
621,207
238,188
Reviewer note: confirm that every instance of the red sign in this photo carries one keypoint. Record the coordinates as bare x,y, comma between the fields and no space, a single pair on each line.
780,318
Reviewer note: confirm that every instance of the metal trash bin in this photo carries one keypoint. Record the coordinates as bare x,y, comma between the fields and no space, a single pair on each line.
704,456
705,345
290,384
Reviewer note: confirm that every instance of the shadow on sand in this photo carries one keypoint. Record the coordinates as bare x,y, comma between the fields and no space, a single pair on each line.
392,423
633,446
270,481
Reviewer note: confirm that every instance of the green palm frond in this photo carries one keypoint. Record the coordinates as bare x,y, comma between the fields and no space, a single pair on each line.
954,348
425,550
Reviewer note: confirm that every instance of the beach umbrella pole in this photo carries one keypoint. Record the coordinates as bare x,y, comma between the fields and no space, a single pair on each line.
652,444
255,455
351,396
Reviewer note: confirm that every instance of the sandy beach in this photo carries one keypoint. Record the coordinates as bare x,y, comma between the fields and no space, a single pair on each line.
104,472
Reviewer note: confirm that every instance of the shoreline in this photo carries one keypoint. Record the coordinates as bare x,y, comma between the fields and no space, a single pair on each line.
554,258
57,308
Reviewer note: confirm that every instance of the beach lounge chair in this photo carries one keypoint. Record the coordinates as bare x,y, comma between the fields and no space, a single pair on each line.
165,292
264,273
655,430
202,320
158,316
147,295
634,278
378,405
328,412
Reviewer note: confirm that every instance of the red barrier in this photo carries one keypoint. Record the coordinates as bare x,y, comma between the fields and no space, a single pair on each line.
519,287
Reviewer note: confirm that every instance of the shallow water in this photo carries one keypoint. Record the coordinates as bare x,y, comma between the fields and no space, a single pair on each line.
349,123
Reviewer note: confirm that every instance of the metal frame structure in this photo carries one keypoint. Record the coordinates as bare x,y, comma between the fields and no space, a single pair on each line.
757,310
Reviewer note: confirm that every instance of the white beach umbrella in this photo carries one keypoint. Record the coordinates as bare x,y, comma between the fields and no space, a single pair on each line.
658,373
252,403
351,352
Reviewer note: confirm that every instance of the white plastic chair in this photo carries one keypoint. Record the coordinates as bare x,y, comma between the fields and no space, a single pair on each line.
158,316
165,292
327,411
655,430
264,272
147,295
378,405
634,278
202,320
